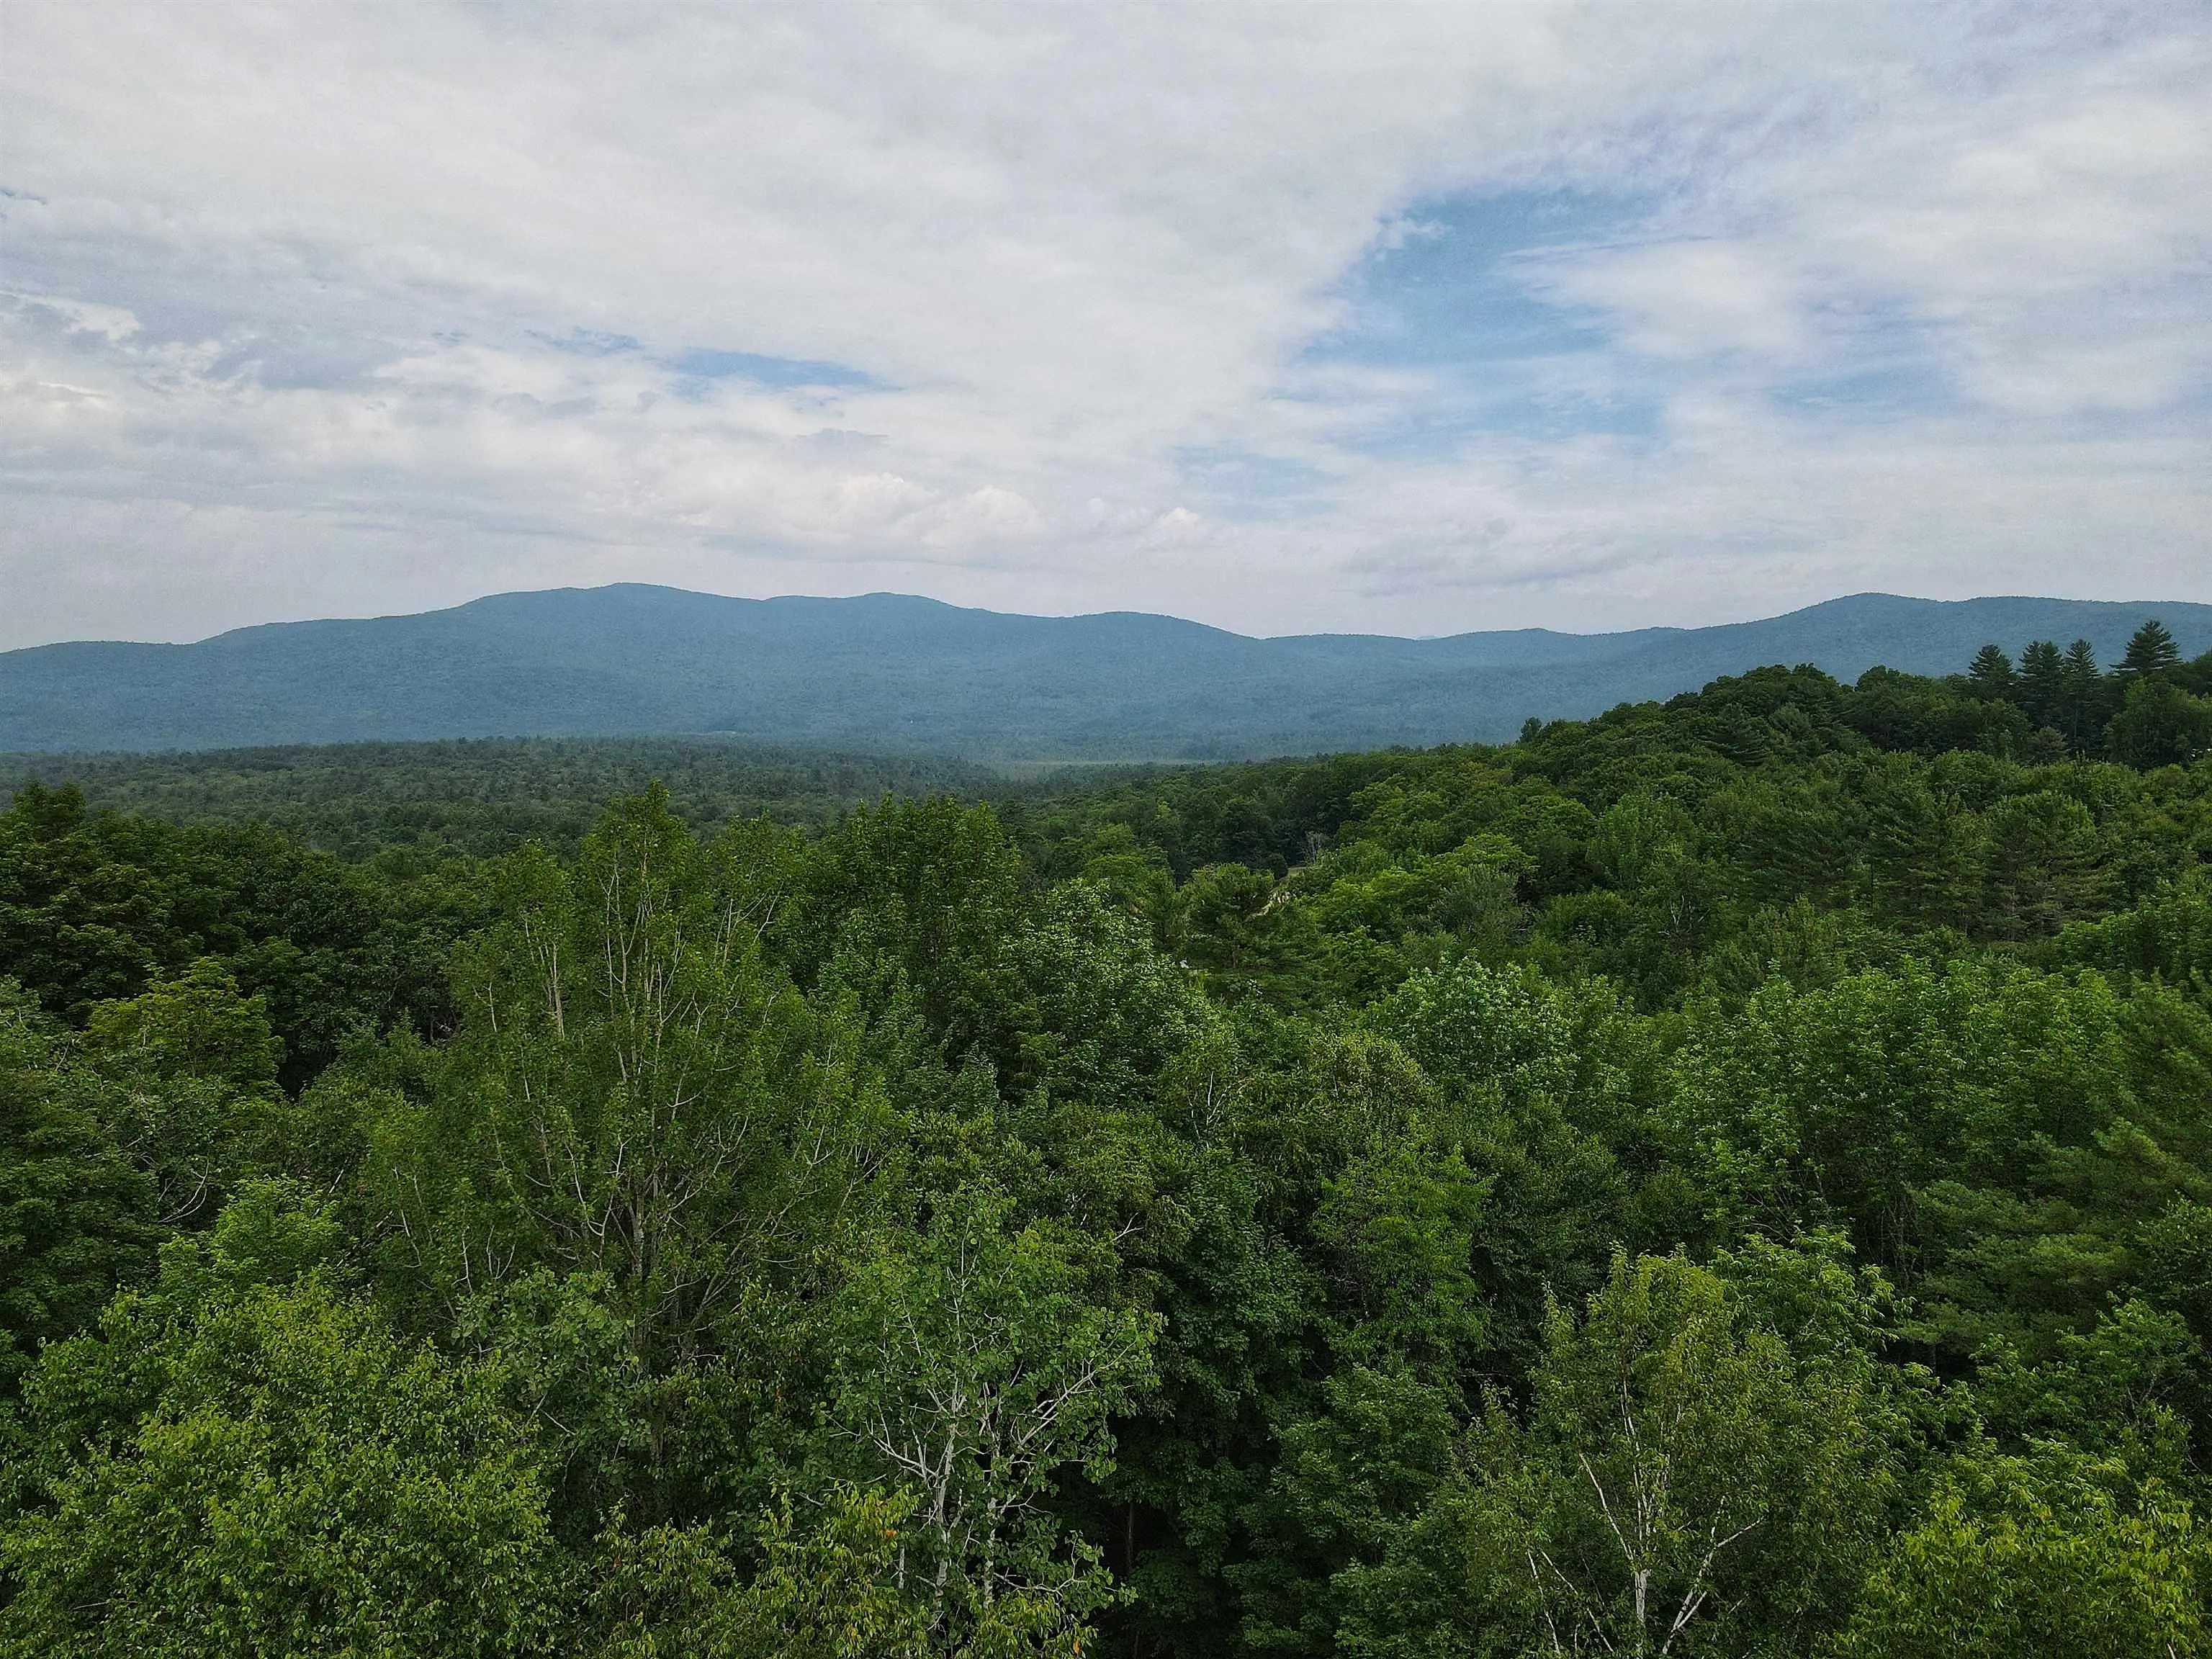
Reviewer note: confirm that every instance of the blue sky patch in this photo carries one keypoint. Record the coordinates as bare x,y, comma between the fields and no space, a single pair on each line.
706,363
1446,295
1444,286
588,342
1249,484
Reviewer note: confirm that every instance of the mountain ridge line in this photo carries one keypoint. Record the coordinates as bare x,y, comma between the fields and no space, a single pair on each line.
904,673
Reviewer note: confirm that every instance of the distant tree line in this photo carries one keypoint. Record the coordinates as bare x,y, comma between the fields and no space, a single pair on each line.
485,795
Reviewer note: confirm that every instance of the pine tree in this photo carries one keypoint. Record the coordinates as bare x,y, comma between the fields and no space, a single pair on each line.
2151,651
1992,676
2042,683
2082,698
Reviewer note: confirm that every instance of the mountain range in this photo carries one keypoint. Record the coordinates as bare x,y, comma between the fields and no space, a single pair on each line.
894,673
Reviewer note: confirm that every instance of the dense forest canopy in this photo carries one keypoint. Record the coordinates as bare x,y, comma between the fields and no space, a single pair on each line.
490,794
1728,1177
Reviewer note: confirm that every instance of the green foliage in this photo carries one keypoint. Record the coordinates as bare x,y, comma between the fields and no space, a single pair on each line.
77,1220
634,1092
2024,1558
972,1371
2159,725
413,805
2151,650
246,1459
197,1025
827,1592
94,908
1991,675
1728,1177
1680,1470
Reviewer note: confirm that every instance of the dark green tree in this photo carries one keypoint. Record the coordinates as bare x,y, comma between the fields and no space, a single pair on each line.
2043,682
78,1218
635,1090
1991,675
2082,698
2159,725
2151,650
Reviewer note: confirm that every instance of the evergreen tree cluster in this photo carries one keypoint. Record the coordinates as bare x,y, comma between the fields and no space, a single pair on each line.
2150,710
1732,1178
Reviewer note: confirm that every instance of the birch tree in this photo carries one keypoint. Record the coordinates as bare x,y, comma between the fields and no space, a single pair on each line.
636,1090
974,1373
1674,1456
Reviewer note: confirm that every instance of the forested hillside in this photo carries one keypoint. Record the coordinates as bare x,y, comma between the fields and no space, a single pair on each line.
891,673
1728,1177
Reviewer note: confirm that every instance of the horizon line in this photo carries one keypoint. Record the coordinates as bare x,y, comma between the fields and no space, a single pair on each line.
1083,615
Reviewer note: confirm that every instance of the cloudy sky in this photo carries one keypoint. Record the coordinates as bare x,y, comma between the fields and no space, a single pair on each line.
1287,317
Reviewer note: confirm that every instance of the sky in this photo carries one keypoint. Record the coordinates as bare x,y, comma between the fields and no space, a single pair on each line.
1287,318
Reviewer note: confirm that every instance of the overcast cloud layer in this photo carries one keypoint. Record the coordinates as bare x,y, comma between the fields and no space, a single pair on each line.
1289,318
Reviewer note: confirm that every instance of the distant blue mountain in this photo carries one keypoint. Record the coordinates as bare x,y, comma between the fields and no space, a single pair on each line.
889,672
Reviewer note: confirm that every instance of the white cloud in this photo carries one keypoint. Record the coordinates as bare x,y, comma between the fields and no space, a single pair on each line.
320,309
1688,299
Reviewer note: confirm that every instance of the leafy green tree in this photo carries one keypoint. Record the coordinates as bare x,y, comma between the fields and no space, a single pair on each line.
1540,1097
196,1025
1236,1344
81,915
1137,879
554,1350
246,1459
1902,713
1351,1477
192,1070
2036,1559
827,1591
2168,935
931,889
1681,1480
2130,1388
973,1373
2159,725
93,905
78,1218
635,1091
1097,1014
